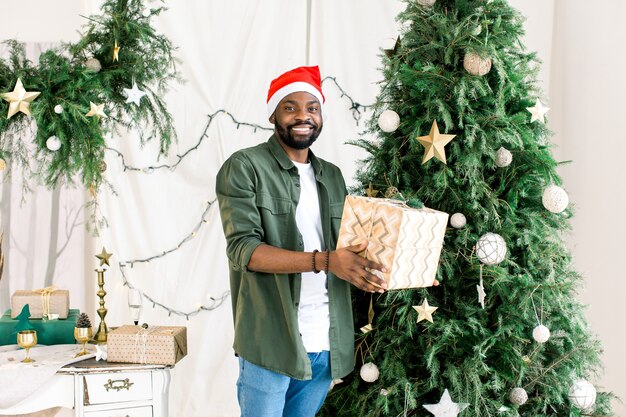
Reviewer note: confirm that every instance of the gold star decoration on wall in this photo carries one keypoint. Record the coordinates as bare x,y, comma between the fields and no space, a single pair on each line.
19,99
116,51
434,144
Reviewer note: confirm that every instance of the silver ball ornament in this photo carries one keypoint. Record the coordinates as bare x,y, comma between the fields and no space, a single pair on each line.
518,396
369,372
388,121
582,394
555,199
504,157
476,65
458,220
541,334
53,143
58,109
491,249
93,64
426,3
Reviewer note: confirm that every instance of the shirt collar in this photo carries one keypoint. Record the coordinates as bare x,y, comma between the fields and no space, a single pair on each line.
284,161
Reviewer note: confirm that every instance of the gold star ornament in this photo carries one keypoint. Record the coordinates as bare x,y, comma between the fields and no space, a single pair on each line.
434,144
19,99
104,257
116,51
96,110
425,311
371,191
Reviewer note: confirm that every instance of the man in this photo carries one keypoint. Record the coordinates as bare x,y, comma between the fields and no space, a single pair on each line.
281,208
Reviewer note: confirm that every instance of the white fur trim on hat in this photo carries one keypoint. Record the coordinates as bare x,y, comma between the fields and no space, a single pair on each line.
292,88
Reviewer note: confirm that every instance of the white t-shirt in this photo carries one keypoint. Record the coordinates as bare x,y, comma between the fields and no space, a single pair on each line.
313,314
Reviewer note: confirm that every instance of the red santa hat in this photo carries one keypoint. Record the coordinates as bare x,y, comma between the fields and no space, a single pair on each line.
306,79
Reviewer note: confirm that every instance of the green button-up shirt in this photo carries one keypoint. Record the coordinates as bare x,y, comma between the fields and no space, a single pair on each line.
258,189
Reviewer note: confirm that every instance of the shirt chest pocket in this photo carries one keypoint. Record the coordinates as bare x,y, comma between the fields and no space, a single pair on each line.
276,220
336,212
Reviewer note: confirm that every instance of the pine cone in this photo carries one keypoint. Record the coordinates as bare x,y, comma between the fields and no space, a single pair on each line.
83,321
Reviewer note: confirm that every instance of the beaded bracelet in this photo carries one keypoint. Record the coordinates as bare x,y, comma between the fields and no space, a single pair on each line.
315,271
326,261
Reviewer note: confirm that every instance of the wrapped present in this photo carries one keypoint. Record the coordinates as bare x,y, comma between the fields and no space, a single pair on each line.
49,332
406,241
48,302
158,345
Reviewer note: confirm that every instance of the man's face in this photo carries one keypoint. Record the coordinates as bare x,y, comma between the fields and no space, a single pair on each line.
298,120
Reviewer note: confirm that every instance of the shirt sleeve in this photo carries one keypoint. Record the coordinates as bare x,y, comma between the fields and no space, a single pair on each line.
241,220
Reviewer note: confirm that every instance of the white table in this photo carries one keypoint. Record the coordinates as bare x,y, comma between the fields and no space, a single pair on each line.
102,389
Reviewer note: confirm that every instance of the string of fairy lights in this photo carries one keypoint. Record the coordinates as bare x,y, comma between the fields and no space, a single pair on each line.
357,110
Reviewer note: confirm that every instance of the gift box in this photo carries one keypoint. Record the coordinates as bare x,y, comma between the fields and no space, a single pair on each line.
405,240
47,300
49,332
158,345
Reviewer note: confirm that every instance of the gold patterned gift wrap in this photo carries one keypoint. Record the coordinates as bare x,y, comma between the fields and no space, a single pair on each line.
49,302
158,345
406,241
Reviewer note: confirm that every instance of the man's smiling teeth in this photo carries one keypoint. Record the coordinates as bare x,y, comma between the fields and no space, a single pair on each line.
301,129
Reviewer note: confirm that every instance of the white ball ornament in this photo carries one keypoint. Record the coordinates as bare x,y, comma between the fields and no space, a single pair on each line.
541,334
58,109
388,121
369,372
476,65
53,143
518,396
491,249
582,394
93,64
458,220
426,3
504,157
555,199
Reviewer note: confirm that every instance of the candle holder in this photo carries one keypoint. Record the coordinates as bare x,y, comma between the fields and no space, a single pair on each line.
27,339
103,330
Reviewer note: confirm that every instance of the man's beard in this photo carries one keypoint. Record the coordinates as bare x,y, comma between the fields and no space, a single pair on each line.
286,136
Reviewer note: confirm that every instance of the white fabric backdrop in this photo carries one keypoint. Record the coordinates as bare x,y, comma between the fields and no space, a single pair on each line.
230,51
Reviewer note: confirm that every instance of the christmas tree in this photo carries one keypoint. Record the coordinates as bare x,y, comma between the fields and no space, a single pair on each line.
508,337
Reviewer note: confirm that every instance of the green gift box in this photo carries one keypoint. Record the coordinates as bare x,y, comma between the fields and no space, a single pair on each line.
49,332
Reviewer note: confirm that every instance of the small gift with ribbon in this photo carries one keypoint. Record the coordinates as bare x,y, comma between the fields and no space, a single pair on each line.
47,303
405,240
157,345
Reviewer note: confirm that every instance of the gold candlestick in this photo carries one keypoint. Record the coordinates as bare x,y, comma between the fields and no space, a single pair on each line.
103,331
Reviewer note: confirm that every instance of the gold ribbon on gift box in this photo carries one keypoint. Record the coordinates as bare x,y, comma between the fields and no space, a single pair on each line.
45,300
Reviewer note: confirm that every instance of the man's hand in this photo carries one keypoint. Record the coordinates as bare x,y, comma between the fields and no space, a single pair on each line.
347,265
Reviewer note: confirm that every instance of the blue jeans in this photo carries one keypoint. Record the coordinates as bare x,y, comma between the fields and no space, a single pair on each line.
264,393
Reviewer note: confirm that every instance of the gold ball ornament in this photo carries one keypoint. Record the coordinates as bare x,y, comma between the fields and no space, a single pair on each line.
491,249
3,165
504,157
476,65
92,64
103,166
541,334
388,121
555,199
369,372
518,396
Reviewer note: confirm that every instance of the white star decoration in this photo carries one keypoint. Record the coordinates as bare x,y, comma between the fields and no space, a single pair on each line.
101,352
538,111
425,311
19,99
445,407
133,95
